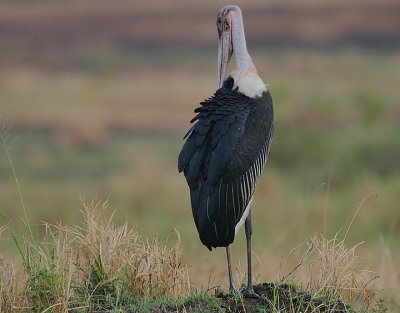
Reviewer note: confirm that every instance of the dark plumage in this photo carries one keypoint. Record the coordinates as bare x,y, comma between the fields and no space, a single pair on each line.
223,159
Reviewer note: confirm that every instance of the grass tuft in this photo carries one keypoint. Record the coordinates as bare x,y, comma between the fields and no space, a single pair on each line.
93,266
334,270
332,273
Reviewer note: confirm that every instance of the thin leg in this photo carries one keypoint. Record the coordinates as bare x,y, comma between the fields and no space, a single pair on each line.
228,256
249,231
249,291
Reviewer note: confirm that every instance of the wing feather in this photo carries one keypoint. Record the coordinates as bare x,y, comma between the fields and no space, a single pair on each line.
222,162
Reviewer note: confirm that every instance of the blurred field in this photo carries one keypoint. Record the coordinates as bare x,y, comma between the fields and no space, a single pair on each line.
89,110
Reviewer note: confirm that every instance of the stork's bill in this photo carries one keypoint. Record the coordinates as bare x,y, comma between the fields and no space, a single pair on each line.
224,45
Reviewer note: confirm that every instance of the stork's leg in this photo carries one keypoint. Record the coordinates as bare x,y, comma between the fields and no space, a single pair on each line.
249,290
228,256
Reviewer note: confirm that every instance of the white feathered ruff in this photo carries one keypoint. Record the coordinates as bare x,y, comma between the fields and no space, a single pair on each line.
248,83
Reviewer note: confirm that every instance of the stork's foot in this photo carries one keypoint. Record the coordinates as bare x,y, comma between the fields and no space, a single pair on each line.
249,292
232,290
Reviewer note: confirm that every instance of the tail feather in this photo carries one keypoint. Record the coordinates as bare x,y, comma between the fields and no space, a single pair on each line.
212,215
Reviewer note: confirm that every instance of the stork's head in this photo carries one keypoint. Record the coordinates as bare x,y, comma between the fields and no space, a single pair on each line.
232,40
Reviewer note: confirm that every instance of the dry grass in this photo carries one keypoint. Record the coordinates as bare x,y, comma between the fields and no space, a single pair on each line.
330,270
99,265
13,284
93,265
335,270
150,267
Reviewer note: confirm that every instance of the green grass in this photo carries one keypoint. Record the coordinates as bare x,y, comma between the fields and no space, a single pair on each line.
97,265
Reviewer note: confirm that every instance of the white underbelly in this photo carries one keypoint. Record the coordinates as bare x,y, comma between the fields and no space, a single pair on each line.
244,216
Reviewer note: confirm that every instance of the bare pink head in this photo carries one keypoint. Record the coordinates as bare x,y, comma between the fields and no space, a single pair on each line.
232,40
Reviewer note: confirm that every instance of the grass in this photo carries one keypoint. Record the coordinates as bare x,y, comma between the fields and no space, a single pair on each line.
72,271
92,266
98,266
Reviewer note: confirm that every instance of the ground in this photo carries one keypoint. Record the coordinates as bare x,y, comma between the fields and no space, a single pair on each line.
280,297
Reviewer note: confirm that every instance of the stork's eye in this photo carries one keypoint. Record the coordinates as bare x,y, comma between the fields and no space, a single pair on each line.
219,22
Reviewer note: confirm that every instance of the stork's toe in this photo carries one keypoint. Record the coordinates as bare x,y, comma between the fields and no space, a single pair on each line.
249,292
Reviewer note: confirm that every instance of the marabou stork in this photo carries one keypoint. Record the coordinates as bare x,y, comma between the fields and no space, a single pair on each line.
228,146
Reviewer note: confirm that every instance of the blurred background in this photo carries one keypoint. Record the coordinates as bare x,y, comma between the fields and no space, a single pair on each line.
95,97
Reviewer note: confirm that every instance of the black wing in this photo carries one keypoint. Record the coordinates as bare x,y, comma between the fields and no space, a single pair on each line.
223,158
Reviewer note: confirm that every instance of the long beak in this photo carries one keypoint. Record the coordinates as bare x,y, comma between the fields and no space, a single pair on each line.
224,55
